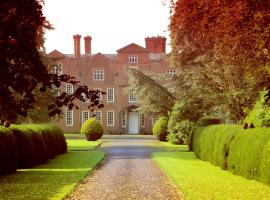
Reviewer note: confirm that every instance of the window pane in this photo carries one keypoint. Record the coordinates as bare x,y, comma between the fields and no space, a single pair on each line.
99,116
69,117
110,118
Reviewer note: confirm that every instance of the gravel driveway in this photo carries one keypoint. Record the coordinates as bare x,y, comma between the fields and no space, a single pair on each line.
127,173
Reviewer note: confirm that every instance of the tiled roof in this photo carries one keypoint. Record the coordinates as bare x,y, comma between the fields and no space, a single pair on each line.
132,48
56,54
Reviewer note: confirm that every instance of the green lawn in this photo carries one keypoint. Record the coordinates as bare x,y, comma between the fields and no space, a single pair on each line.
55,179
82,145
200,180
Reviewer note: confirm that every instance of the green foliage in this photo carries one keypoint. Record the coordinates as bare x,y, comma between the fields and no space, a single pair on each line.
260,114
8,152
37,143
92,129
209,120
231,147
160,128
183,131
246,153
158,99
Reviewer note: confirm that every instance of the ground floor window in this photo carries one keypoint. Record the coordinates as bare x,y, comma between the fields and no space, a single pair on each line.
85,116
69,117
110,118
99,116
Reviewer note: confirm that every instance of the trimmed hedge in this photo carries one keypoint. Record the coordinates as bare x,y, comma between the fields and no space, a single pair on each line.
33,144
8,152
243,152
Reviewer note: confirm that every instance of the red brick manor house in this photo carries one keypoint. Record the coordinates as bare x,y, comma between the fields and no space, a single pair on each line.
108,72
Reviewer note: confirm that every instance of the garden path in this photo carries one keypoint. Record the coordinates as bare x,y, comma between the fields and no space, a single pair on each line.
127,173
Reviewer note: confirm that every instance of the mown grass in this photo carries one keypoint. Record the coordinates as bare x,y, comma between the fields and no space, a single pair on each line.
55,179
82,145
200,180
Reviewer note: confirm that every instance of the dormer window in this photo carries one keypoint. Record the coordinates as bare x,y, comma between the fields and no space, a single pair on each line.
98,75
132,58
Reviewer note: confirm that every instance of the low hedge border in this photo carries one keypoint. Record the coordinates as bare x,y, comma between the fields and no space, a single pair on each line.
243,152
23,146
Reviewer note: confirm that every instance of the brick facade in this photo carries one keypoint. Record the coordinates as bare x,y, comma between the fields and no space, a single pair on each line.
115,67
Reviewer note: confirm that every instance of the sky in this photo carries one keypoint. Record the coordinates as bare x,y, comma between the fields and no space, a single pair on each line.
112,24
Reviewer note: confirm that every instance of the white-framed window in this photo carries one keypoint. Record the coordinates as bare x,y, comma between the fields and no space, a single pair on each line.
132,96
110,95
85,116
69,117
100,94
154,119
69,88
133,58
110,118
123,119
142,120
57,69
98,116
98,75
171,72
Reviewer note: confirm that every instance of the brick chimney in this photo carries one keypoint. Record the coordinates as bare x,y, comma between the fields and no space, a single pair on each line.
87,44
77,46
156,44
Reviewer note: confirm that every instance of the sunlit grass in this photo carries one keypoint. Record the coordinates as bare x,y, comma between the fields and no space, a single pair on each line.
82,145
55,179
200,180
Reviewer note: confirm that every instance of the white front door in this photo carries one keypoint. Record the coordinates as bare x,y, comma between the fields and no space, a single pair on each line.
133,122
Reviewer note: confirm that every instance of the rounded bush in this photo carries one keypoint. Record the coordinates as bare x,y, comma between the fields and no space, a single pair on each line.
92,129
209,120
160,129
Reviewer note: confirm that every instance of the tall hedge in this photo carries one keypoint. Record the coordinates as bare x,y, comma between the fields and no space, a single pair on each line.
243,152
23,146
8,152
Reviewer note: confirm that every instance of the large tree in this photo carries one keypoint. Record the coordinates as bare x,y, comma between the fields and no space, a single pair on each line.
22,26
226,45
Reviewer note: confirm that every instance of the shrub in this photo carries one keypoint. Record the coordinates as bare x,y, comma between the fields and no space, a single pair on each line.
92,129
183,131
243,152
160,128
259,116
209,120
8,151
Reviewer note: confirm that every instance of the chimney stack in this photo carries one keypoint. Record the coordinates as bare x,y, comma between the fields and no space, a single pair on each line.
87,44
77,46
156,44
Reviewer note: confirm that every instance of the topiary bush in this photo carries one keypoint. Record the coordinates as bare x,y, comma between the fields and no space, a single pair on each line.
209,120
8,151
92,129
160,129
